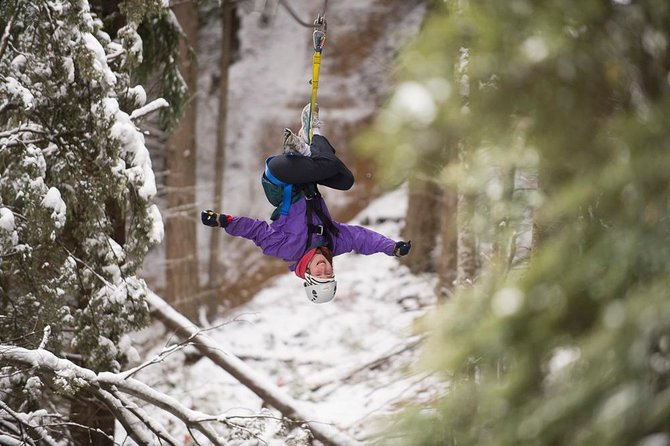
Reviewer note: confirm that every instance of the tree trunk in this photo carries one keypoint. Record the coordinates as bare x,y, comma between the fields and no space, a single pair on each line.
228,33
467,244
446,261
504,245
541,227
421,224
180,242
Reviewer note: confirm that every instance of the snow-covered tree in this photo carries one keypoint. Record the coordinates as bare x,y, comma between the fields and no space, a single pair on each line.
76,187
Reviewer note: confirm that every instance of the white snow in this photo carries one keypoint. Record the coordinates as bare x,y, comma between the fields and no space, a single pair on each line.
52,200
126,348
139,96
6,220
100,58
68,64
140,172
157,229
535,49
149,108
562,357
14,89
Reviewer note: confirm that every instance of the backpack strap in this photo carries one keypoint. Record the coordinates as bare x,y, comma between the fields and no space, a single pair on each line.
287,187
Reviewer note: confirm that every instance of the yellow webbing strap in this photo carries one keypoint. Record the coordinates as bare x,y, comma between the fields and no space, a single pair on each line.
319,37
316,64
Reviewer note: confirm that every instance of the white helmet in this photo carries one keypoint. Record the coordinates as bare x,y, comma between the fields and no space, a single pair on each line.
320,290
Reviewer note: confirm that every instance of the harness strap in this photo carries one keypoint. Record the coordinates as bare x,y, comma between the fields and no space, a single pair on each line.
327,227
316,229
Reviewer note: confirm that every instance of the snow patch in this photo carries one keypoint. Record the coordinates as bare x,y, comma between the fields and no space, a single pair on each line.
157,230
52,200
6,220
140,173
17,92
126,348
100,61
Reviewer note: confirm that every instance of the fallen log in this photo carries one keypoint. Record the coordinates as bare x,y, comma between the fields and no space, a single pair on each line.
248,377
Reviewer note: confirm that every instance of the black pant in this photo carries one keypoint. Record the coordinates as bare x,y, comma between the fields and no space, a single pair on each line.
323,167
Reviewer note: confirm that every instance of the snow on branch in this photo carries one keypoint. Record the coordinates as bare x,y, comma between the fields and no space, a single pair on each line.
115,390
26,422
151,107
248,377
108,388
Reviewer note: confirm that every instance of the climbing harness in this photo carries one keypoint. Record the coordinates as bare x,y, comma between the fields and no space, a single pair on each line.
327,228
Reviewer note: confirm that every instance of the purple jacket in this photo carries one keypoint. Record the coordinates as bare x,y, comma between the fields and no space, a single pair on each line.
286,237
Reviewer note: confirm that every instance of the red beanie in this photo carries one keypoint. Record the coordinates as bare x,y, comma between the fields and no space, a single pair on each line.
301,268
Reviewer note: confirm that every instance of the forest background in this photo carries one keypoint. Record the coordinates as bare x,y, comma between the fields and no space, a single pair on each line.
498,118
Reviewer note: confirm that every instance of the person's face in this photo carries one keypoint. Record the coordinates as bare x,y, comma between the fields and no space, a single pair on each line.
320,267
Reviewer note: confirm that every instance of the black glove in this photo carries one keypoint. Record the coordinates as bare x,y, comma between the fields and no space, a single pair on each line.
211,218
402,248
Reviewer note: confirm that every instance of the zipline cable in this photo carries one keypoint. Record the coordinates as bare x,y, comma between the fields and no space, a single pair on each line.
295,16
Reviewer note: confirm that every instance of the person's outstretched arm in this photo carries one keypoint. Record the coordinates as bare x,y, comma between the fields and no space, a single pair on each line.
258,231
366,241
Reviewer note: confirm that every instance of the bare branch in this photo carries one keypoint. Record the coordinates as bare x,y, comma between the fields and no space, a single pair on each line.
44,361
131,423
157,429
25,421
8,29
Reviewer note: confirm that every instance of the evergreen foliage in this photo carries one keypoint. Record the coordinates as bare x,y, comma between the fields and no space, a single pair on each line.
575,348
76,183
160,64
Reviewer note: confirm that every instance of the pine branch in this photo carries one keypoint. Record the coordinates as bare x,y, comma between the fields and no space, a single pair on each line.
149,108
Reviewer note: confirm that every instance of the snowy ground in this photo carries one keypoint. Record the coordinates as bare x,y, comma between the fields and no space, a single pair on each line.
349,362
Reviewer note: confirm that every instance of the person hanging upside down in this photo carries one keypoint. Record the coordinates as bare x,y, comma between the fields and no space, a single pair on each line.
302,231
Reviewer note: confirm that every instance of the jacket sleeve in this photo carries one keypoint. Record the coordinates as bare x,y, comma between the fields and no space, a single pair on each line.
361,240
259,232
